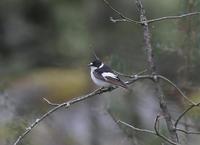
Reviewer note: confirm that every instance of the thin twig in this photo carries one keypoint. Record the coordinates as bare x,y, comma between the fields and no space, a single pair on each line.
172,17
28,129
160,135
152,69
124,18
78,99
135,128
112,116
65,104
50,103
184,112
152,77
155,124
156,132
118,20
187,132
161,77
155,19
130,76
69,103
137,77
128,135
177,88
189,125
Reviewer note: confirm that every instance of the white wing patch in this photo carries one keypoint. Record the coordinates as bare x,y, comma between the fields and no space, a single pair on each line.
109,74
98,81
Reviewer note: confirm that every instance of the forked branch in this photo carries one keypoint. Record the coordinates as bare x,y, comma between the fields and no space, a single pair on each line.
124,18
184,113
69,103
144,21
155,132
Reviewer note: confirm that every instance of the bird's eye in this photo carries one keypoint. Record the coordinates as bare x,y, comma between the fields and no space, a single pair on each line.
90,64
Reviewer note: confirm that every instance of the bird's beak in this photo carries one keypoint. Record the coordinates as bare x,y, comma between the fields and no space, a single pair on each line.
90,64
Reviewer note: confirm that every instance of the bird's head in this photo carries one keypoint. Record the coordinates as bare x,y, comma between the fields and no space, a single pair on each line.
95,64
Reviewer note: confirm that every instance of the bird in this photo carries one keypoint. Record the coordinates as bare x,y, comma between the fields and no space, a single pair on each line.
103,76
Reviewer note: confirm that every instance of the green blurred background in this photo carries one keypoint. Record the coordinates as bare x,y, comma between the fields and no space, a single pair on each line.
45,46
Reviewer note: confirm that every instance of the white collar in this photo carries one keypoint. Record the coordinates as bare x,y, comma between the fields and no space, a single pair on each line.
101,65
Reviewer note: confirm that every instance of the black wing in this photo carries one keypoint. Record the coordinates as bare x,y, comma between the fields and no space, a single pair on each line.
116,81
98,75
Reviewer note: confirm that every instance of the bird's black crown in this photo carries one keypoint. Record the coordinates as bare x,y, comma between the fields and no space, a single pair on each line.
96,63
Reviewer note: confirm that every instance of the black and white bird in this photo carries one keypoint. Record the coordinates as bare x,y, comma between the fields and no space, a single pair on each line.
102,75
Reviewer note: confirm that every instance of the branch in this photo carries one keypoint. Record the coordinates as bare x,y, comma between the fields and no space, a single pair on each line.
69,103
156,132
154,77
177,88
119,20
113,118
187,132
124,18
130,76
189,125
127,19
136,129
184,112
160,135
154,20
172,17
81,98
152,69
57,107
50,103
130,136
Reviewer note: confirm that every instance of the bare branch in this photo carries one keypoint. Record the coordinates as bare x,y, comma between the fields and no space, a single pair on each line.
65,104
69,103
50,103
156,132
160,135
184,112
172,17
124,18
129,136
154,20
152,69
144,22
130,76
152,77
112,116
118,20
187,132
135,128
137,77
178,89
189,125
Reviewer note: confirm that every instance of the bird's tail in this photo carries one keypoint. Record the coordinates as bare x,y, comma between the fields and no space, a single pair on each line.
123,85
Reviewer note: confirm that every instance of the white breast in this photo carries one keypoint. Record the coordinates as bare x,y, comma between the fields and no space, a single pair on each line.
97,81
